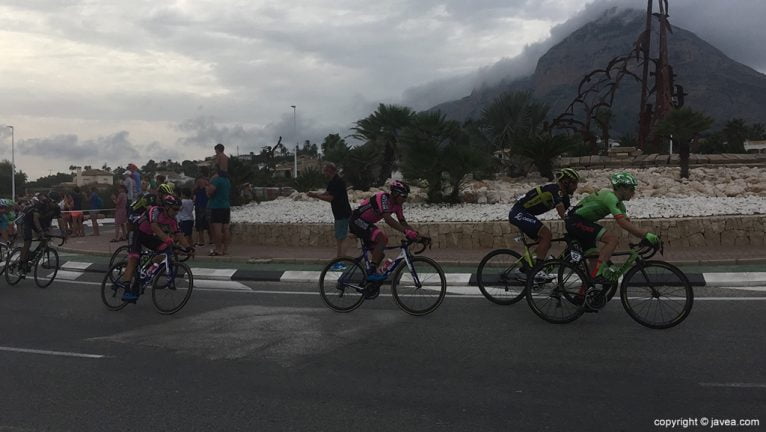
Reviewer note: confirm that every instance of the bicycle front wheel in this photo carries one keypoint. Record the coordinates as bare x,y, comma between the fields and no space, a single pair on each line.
170,292
559,296
656,294
419,288
46,267
111,290
341,284
13,271
500,277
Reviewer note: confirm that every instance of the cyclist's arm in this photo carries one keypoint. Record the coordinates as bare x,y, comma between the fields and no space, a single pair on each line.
393,223
36,223
561,210
324,197
181,239
157,230
628,226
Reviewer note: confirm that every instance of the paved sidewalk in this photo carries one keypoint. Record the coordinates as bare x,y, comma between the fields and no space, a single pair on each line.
733,255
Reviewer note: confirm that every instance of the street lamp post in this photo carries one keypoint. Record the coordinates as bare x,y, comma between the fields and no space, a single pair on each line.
13,164
295,131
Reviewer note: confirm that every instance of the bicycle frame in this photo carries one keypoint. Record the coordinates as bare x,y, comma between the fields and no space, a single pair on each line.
404,255
146,277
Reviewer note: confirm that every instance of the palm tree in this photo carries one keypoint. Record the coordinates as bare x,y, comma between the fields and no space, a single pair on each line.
439,151
682,126
515,122
382,128
736,132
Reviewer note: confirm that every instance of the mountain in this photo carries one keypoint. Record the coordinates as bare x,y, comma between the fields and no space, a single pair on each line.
716,85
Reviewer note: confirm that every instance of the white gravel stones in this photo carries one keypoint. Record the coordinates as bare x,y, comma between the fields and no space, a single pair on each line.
661,194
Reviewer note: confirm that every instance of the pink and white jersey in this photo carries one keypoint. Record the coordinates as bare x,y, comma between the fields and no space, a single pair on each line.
374,208
158,215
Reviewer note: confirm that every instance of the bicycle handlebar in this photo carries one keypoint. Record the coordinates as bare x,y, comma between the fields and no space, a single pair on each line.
50,236
423,240
647,250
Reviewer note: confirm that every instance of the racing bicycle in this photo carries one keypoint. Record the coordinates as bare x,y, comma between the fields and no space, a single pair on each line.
418,284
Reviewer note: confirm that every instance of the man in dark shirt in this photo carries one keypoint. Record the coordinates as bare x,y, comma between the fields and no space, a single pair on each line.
337,196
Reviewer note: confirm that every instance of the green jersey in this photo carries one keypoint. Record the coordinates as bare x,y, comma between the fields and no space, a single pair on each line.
599,204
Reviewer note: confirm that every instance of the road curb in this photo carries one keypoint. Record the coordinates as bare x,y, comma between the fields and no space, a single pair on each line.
730,279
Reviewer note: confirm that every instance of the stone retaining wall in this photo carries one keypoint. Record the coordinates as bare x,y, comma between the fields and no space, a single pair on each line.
653,160
680,232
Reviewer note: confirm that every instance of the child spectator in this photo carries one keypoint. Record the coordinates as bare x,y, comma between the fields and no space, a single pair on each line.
96,204
120,214
186,215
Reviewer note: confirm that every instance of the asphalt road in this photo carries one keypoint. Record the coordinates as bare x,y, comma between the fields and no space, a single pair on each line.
272,357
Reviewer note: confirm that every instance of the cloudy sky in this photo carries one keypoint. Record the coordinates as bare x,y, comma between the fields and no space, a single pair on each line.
117,81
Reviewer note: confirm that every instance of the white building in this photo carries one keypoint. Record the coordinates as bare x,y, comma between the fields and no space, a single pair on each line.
92,177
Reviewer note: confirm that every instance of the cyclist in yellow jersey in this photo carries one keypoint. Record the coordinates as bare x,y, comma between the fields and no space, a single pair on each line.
541,200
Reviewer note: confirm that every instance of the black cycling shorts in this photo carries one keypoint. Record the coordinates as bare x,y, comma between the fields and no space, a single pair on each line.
586,232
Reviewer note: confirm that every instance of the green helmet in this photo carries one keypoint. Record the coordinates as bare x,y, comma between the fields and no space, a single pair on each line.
568,174
166,189
624,179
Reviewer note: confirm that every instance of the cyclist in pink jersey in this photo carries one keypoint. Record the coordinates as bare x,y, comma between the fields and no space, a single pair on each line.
384,206
157,230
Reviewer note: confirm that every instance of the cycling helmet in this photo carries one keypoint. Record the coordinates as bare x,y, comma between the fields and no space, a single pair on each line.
166,189
171,201
54,196
400,188
568,174
624,179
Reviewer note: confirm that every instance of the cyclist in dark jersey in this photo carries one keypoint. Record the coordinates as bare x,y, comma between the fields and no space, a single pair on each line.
540,200
581,223
37,219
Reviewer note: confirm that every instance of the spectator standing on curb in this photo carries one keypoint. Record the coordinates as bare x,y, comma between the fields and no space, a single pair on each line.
337,196
218,191
120,214
186,215
221,161
96,204
136,176
77,216
130,187
201,219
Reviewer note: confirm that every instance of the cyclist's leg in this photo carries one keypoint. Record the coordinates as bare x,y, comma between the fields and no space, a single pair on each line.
379,240
610,240
530,226
544,237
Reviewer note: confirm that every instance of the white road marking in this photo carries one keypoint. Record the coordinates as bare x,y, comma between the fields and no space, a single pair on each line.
219,284
735,279
51,353
67,275
734,385
450,292
76,265
213,273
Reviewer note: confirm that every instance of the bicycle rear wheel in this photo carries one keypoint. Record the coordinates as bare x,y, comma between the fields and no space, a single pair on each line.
419,289
111,293
558,300
342,283
3,255
46,267
500,277
13,273
170,292
656,294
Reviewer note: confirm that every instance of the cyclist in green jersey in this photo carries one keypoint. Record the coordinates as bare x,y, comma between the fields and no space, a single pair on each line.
581,223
